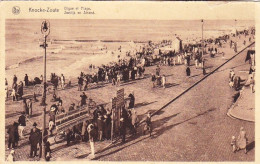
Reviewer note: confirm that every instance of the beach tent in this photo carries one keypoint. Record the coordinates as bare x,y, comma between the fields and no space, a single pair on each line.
176,44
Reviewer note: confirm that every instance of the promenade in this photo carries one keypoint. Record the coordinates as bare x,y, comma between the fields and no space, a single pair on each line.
194,127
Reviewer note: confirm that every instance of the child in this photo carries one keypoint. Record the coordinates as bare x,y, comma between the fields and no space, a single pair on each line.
233,144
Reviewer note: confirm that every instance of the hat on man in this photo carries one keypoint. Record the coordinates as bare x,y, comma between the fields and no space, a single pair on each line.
34,124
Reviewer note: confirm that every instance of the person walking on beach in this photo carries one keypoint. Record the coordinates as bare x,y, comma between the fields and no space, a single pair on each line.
26,80
62,81
20,90
14,79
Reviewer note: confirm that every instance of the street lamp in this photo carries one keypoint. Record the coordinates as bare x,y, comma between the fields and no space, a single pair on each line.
236,27
45,29
202,23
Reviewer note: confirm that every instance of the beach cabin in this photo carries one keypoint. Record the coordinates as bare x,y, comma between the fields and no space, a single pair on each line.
176,44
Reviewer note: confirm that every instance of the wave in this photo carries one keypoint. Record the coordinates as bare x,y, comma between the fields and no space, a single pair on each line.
16,65
103,41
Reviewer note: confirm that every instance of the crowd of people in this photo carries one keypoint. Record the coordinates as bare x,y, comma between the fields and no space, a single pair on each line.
115,73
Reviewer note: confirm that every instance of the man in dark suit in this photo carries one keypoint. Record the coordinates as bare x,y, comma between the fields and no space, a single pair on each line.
132,100
35,138
26,80
13,135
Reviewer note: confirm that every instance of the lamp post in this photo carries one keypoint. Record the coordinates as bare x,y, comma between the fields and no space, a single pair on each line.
202,23
45,29
236,27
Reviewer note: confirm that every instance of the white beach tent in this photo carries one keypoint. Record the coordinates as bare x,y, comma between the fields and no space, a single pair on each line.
176,44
